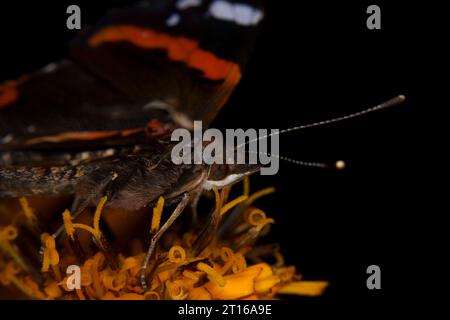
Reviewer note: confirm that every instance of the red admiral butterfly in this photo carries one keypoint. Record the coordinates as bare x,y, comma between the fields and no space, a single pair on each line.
99,123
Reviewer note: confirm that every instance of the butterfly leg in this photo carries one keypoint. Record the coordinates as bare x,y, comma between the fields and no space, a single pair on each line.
155,237
88,192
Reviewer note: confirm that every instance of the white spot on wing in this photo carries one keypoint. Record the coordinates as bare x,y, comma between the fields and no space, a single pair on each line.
239,13
109,152
185,4
7,139
51,67
243,14
177,116
222,10
173,20
156,104
85,155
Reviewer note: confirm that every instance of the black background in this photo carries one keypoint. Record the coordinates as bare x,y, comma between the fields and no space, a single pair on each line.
313,61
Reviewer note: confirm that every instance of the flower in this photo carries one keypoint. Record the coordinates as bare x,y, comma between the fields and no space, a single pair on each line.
221,261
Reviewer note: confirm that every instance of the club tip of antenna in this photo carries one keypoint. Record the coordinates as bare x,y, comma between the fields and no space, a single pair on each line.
401,97
340,165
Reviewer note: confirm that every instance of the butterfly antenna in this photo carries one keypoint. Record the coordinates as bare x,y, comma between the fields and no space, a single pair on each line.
387,104
339,165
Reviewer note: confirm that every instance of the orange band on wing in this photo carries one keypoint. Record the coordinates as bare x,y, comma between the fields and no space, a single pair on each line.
9,92
83,135
8,96
178,48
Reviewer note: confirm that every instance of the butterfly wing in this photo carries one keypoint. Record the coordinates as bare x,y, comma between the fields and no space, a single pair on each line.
139,73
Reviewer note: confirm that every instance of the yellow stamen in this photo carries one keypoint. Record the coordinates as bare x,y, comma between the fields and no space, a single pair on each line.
256,217
86,273
90,293
56,272
9,275
68,225
96,281
27,210
228,275
228,257
217,197
212,274
239,263
232,204
246,188
226,254
7,235
95,231
130,263
98,213
176,290
86,228
265,284
53,291
228,265
51,256
264,223
45,262
114,282
259,194
237,285
286,273
190,275
304,288
177,254
157,213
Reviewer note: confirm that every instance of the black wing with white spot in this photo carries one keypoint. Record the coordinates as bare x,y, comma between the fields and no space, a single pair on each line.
138,74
